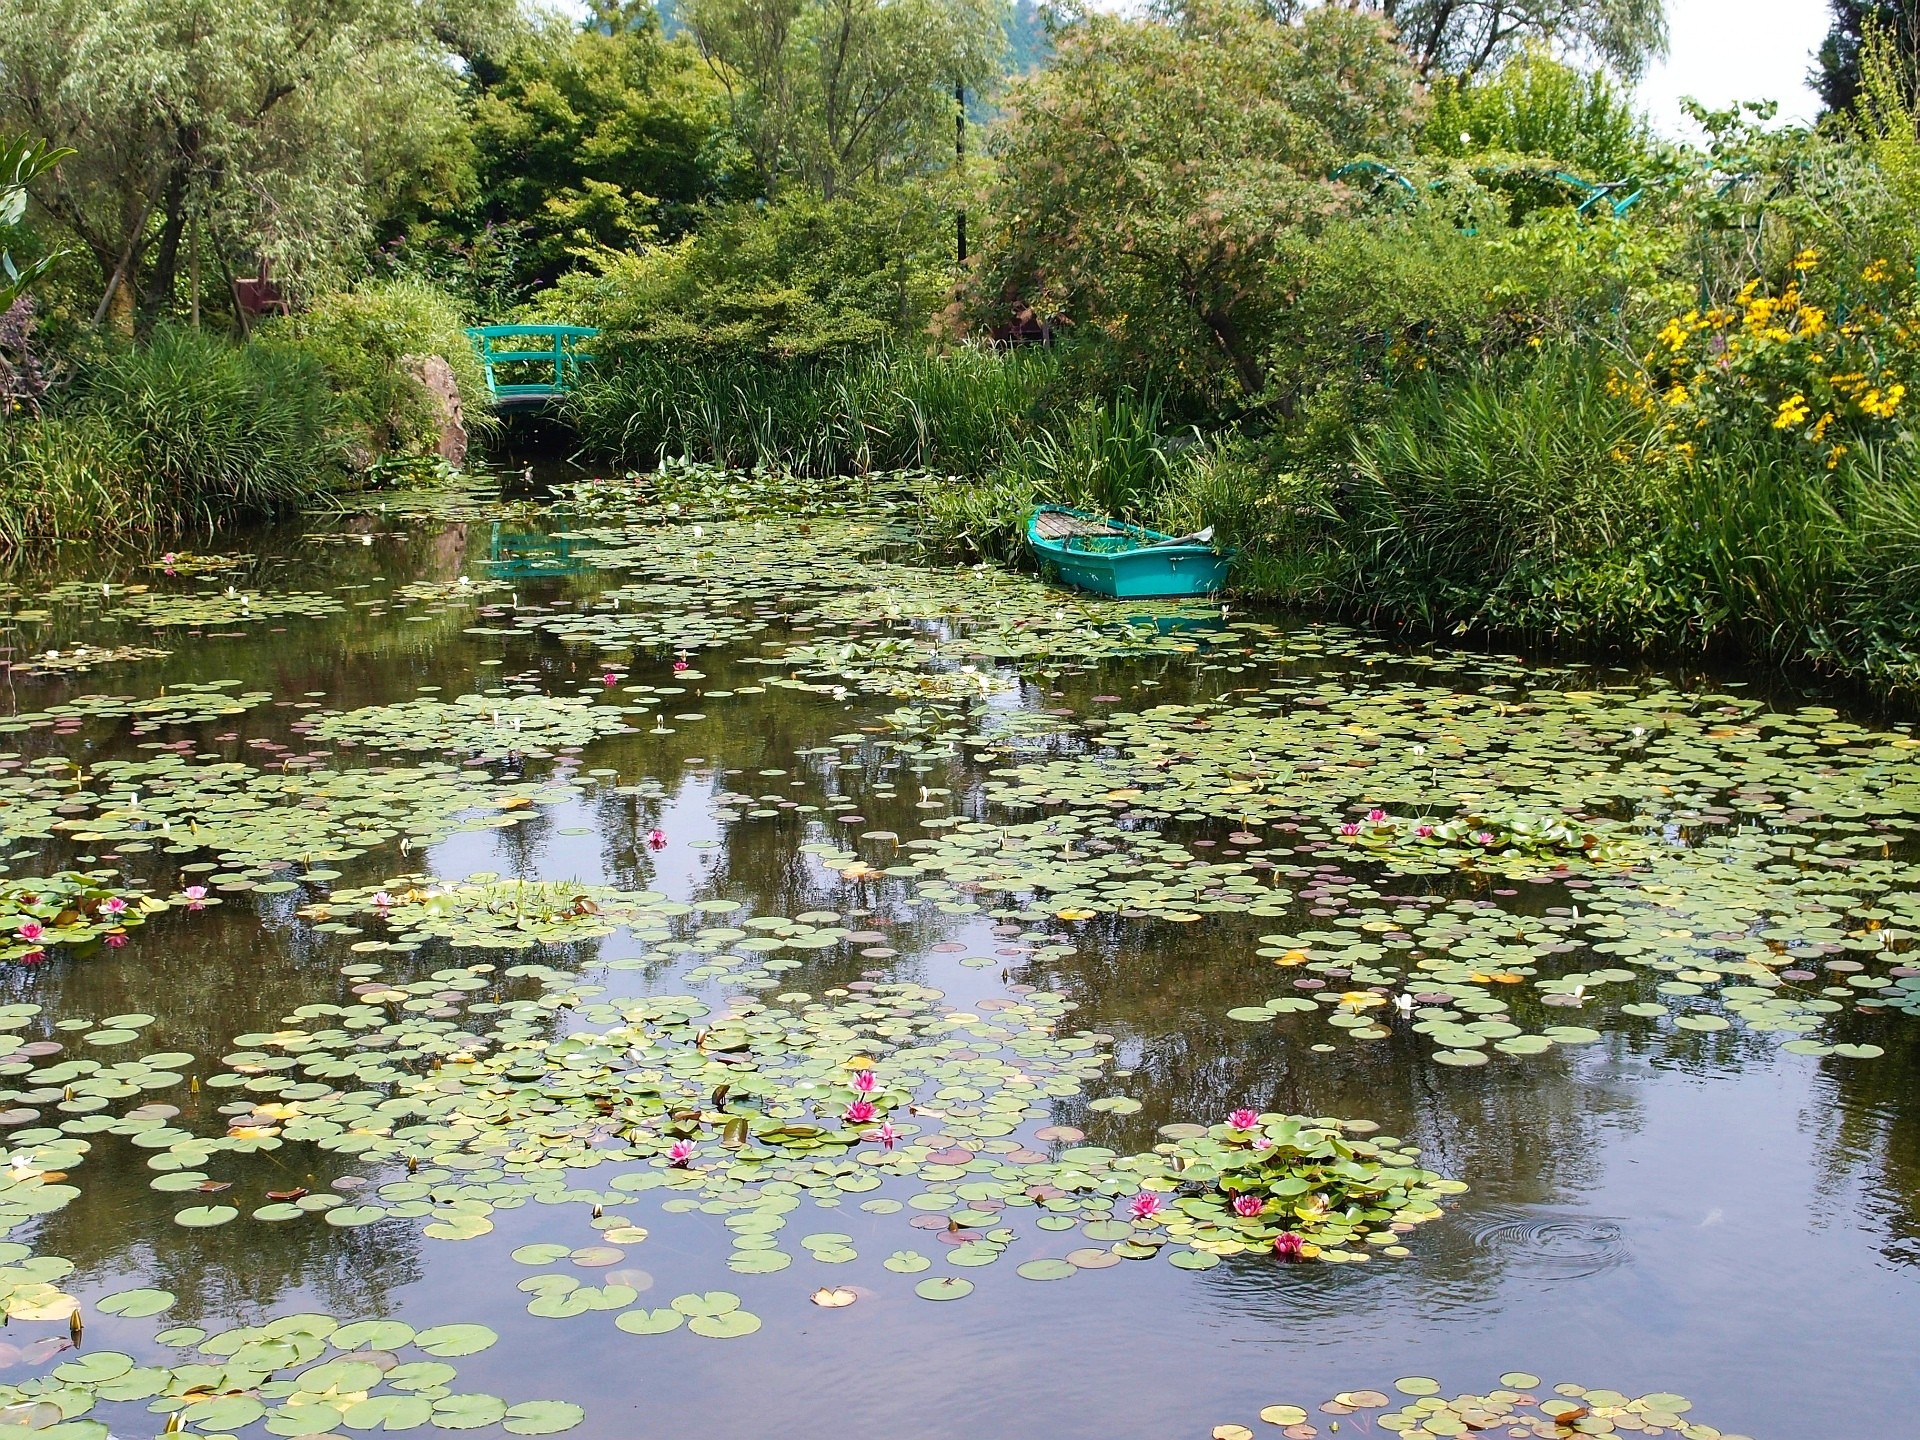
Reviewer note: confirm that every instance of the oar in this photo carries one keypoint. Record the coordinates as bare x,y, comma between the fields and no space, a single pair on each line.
1198,537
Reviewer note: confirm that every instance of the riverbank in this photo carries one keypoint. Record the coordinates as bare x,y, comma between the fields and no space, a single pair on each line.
1534,500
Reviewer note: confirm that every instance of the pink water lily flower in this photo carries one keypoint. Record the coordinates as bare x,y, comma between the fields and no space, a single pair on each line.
1287,1245
656,839
885,1134
1376,816
195,892
1244,1119
31,930
609,678
381,899
680,1152
1349,829
865,1081
113,905
861,1112
1247,1206
1145,1206
1425,832
678,666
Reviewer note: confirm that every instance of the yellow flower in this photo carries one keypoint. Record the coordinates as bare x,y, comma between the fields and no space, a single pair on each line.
1875,272
1678,395
1806,259
1793,411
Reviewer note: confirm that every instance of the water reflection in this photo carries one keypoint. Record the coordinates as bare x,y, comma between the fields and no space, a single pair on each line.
1638,1201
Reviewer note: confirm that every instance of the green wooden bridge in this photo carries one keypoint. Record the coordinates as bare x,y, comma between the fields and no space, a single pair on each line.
550,353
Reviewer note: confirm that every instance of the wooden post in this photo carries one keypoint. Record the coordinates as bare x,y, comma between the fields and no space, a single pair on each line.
959,166
193,265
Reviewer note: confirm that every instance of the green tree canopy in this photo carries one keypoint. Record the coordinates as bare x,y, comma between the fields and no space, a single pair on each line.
605,134
276,128
1537,107
835,93
1838,74
1146,176
1465,37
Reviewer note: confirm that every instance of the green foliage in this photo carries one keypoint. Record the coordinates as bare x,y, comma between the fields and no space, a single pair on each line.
588,137
1445,37
1842,55
1490,493
22,162
1885,111
360,338
888,408
831,94
1147,175
235,130
188,431
795,280
1537,108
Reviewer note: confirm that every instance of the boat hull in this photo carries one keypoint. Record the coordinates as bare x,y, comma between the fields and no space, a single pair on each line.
1152,572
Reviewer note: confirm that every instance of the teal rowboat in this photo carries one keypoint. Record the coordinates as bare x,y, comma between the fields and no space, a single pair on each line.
1111,557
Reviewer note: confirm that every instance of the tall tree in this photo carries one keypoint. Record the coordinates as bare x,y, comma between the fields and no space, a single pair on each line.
603,134
832,93
1147,175
1837,75
1465,37
263,127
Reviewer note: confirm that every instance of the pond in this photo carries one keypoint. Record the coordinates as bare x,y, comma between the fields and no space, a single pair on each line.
674,960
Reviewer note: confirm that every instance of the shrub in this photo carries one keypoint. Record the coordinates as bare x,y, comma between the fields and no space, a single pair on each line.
186,431
799,280
1489,500
360,338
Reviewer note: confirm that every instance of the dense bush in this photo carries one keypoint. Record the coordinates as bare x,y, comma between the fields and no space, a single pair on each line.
360,338
798,280
188,431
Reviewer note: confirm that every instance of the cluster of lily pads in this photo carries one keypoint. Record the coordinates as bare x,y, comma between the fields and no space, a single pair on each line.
1516,1408
489,913
491,725
79,658
302,1374
748,1111
191,704
250,817
167,609
68,909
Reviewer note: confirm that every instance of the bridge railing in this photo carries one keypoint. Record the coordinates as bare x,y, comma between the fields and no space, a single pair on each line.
554,346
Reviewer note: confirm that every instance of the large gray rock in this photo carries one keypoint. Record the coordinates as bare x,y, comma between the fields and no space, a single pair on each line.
436,377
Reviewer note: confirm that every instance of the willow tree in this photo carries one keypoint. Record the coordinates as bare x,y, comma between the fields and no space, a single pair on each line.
833,93
242,128
1466,37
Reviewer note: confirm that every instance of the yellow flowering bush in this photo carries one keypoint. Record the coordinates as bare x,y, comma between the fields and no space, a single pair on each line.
1823,361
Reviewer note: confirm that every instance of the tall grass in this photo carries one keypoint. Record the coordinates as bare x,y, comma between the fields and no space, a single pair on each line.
1486,497
883,409
1524,498
186,432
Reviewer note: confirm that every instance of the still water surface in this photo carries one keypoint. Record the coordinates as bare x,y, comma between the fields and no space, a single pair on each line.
1661,1211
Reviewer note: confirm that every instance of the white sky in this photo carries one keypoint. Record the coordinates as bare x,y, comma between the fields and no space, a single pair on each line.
1727,50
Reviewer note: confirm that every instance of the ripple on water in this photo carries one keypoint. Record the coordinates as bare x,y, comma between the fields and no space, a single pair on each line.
1525,1240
